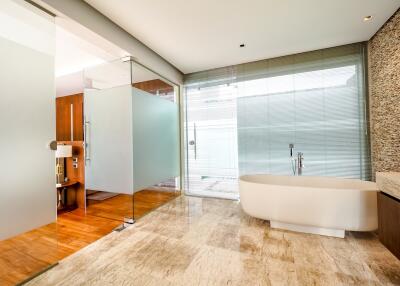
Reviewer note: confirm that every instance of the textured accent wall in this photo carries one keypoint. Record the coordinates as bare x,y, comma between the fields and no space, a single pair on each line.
384,92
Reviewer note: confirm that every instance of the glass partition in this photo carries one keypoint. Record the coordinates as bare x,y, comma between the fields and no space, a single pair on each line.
131,140
109,75
155,139
108,140
28,197
156,146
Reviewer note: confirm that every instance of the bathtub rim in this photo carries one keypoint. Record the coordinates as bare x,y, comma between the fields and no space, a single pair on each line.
369,186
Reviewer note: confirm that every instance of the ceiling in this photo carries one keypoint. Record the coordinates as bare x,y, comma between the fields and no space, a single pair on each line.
199,35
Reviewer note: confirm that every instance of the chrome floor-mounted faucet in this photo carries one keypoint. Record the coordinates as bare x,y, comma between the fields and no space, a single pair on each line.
300,164
297,163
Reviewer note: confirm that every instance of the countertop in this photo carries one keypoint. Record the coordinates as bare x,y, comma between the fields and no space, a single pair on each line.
389,183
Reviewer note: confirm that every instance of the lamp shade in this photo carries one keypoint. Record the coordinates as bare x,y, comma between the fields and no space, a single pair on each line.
64,151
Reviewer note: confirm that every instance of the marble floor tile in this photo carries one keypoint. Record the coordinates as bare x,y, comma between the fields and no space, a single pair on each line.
345,258
237,238
280,272
195,241
162,257
217,266
200,232
277,246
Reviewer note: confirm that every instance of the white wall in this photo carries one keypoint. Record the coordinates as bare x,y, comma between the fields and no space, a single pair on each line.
27,119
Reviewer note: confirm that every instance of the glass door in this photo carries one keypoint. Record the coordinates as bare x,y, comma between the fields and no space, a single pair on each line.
28,197
211,142
108,141
156,140
132,150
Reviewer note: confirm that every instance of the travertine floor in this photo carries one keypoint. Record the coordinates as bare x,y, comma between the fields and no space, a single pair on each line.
195,241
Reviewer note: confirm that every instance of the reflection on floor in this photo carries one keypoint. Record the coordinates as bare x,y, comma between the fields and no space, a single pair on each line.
212,186
106,208
26,254
145,201
195,241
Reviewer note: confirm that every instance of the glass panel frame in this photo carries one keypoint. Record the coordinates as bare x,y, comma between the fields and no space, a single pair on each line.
134,79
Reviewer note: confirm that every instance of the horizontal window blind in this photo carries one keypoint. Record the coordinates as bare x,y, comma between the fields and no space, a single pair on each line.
314,100
315,60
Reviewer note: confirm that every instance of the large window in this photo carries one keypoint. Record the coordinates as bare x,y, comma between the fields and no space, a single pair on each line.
241,120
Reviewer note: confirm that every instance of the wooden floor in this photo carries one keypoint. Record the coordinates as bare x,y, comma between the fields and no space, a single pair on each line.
28,253
199,241
144,202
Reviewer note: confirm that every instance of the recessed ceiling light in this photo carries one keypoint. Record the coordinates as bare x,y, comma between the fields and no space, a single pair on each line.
367,18
242,45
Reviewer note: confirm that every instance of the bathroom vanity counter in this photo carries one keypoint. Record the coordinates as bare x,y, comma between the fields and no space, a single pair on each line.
389,210
389,183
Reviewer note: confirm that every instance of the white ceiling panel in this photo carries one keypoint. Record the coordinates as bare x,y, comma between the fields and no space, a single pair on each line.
199,35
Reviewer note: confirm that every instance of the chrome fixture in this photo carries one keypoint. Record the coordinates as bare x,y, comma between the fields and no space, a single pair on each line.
300,164
86,126
291,147
75,162
194,141
292,159
296,163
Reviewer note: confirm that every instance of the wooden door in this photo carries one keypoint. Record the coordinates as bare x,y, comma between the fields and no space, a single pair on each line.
69,118
63,119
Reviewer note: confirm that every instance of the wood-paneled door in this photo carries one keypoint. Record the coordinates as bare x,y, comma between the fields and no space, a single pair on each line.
69,117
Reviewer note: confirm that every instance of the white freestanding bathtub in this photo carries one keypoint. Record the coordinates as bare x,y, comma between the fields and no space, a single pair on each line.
319,205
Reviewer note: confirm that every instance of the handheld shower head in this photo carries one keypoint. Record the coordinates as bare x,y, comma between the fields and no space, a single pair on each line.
291,147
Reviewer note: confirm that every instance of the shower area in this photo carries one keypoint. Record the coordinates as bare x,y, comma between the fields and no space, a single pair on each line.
265,117
131,128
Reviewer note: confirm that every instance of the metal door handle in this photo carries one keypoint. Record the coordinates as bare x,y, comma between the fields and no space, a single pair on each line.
72,121
85,142
195,141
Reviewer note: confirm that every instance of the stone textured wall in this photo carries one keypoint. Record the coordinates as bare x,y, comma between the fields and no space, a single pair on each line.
384,93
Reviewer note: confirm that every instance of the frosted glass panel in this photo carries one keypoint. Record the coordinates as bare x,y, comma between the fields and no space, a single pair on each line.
155,139
28,26
108,116
27,119
27,123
